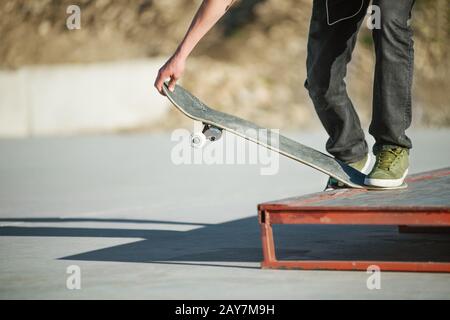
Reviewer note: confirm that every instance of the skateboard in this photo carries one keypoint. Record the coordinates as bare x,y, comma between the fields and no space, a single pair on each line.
215,121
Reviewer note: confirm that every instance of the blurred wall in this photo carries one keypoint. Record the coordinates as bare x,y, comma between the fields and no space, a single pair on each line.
68,99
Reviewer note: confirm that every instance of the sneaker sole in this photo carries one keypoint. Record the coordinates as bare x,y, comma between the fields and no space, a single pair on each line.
385,183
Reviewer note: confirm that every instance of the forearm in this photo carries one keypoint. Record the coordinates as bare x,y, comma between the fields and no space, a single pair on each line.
206,17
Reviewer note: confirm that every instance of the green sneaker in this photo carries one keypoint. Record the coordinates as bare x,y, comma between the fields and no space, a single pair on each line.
361,165
391,167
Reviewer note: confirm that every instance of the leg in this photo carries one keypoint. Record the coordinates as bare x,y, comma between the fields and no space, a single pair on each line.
393,74
330,47
268,243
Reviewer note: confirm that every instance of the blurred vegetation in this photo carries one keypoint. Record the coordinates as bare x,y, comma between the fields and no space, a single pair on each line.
253,61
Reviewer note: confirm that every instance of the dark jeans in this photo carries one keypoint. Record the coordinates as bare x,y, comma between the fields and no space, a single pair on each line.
330,47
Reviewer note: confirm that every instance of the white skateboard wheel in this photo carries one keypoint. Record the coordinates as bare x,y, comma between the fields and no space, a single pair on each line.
198,140
213,133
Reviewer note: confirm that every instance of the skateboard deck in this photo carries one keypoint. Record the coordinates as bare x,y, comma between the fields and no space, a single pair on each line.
193,108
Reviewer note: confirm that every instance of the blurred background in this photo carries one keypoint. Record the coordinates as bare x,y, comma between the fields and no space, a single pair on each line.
87,172
55,81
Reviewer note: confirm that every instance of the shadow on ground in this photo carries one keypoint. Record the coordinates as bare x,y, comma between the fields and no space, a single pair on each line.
235,243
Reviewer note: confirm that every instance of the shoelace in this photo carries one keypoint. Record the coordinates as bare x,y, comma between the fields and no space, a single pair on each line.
387,156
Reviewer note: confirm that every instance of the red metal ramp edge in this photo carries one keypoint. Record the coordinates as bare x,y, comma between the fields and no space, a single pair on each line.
309,210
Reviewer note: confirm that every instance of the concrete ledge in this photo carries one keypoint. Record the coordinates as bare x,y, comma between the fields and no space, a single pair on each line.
71,99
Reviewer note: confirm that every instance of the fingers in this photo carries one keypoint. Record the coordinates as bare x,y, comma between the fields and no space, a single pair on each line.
167,73
172,82
159,82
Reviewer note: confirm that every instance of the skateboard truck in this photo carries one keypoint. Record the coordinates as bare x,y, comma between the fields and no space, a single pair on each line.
209,132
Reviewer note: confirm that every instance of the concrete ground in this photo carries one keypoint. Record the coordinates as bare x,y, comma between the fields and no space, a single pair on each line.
139,226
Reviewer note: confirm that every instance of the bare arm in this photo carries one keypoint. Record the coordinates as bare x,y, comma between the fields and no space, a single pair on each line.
206,17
